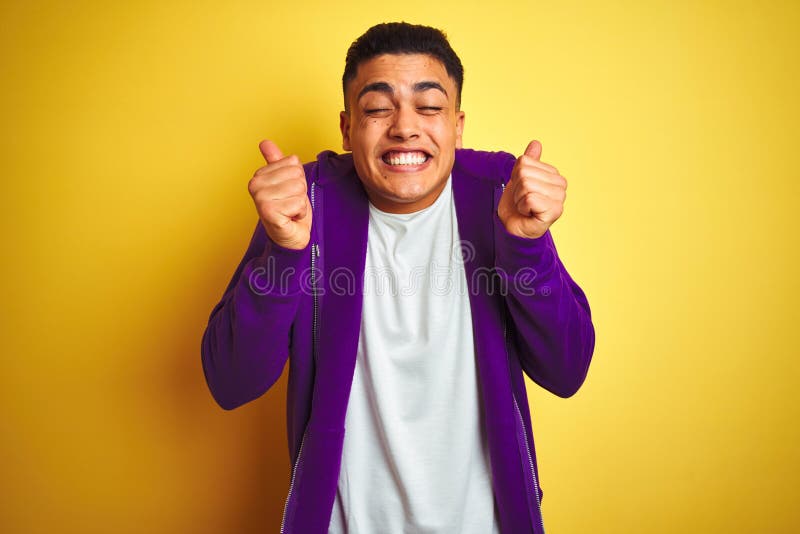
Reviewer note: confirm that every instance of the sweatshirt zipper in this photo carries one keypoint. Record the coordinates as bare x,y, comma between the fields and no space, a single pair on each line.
521,420
524,435
314,255
291,484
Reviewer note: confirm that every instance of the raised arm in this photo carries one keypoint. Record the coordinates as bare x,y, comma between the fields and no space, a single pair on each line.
246,342
551,325
550,319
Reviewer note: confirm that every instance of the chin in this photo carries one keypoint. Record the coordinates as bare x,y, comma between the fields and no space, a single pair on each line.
410,193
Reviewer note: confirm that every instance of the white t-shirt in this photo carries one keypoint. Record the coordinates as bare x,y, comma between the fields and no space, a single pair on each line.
415,456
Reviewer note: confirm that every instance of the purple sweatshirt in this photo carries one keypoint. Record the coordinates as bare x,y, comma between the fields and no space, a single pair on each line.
304,306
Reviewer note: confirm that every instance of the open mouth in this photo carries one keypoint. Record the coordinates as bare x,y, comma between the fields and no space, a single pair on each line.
407,158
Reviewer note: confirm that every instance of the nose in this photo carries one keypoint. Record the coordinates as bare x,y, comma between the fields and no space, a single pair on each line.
405,125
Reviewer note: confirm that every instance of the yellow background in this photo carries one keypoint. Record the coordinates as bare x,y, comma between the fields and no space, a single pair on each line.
129,132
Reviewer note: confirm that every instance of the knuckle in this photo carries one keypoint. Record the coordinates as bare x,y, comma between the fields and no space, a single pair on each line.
253,185
294,187
291,206
298,173
274,210
527,183
527,199
265,207
260,198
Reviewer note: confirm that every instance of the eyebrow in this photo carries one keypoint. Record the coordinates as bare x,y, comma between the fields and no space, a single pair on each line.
383,87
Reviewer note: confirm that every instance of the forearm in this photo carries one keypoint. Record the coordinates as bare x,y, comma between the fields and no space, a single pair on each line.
246,343
550,319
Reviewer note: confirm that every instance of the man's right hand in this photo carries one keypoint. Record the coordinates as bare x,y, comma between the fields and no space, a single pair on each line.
279,192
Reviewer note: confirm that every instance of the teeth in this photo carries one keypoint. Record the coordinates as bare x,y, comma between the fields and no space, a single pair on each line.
406,158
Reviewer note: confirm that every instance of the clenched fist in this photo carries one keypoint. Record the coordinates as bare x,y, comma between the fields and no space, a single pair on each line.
534,197
279,192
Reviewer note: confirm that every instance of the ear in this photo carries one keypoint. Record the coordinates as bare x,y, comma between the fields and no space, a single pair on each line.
344,126
459,127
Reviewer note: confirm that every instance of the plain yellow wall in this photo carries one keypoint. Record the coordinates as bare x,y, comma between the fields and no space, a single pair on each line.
130,130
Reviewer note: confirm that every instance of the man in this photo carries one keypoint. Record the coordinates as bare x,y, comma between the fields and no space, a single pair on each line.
406,406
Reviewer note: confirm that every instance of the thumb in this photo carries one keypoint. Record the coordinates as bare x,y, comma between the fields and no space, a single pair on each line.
270,151
534,150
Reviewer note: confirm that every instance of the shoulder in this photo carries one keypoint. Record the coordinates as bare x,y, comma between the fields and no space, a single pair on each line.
484,165
329,166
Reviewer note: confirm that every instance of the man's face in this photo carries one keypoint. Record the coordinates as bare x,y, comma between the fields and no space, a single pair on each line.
403,128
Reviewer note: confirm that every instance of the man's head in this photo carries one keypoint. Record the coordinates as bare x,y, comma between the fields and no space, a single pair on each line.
402,118
402,38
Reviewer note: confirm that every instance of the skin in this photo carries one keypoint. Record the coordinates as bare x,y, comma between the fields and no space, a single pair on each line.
534,196
279,193
402,103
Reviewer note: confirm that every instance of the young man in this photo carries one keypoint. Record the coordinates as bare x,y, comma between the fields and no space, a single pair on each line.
406,404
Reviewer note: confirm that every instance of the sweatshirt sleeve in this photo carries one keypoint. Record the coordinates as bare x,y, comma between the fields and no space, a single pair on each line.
551,325
246,342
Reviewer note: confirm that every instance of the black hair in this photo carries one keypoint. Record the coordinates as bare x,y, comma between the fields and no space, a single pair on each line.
402,38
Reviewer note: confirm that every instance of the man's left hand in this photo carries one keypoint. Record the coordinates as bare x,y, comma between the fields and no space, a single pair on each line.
534,197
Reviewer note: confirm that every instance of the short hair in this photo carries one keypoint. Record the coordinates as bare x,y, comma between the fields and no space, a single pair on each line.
402,38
